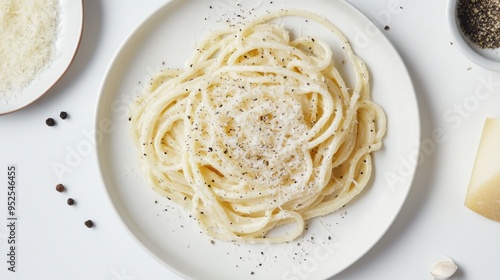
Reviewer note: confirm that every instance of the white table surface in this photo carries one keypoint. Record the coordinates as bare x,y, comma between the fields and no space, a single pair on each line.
53,243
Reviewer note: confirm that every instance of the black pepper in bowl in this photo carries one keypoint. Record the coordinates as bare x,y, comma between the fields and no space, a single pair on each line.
479,20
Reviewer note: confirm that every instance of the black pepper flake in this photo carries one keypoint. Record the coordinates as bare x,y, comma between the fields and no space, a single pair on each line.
50,122
89,223
386,27
63,115
480,22
70,201
60,187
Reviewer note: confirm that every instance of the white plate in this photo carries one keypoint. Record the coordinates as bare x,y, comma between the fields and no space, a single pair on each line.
331,243
71,24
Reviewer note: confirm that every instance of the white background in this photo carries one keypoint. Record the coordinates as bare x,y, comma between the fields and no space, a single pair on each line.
53,243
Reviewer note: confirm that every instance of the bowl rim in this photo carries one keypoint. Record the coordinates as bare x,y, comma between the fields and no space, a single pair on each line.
464,45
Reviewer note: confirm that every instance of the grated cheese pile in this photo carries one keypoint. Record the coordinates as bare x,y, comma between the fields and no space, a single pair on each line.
28,33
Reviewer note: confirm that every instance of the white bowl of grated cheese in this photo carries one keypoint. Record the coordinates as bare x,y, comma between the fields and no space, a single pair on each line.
473,31
38,41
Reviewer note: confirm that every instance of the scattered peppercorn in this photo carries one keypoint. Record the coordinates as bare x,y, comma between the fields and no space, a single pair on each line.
60,187
386,27
71,201
89,223
480,22
50,122
63,115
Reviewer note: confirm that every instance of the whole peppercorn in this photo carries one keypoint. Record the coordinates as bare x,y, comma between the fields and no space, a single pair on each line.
60,187
89,223
50,122
63,115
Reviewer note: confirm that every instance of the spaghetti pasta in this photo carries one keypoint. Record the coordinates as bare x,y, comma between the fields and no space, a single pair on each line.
261,130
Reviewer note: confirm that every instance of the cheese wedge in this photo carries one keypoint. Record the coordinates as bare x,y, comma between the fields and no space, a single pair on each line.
483,193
